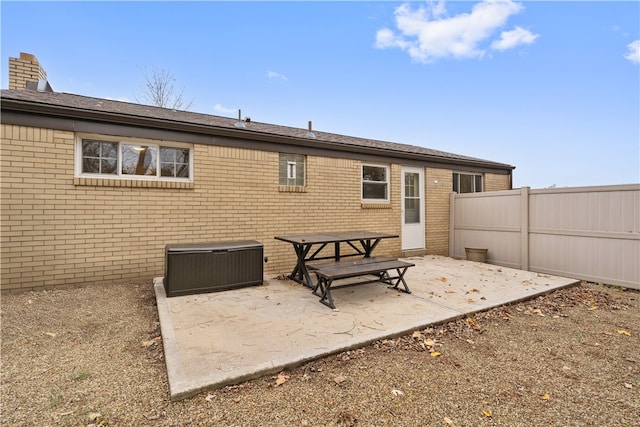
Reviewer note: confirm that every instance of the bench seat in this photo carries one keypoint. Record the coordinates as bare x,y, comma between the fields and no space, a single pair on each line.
378,266
360,261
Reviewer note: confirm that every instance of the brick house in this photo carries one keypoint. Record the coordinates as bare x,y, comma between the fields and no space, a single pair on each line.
93,189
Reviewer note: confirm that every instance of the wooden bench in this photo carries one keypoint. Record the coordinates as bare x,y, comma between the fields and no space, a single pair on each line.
378,266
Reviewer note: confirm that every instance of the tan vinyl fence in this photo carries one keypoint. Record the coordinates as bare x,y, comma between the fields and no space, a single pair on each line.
588,233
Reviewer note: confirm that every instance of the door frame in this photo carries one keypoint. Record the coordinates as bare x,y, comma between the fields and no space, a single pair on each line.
407,230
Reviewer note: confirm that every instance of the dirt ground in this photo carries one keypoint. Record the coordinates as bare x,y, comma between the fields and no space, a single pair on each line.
93,356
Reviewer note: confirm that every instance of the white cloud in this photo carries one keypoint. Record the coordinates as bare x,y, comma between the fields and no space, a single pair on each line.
274,75
633,52
223,110
427,33
513,38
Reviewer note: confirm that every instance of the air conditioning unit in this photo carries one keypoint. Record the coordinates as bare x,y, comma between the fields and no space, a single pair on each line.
212,267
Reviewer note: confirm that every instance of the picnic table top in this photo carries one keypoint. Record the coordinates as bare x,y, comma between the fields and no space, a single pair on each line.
334,237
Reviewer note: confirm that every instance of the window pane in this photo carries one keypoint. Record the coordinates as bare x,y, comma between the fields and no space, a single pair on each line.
478,183
109,166
411,188
300,172
411,211
109,150
99,157
456,183
90,165
90,149
139,160
167,169
374,191
174,162
466,183
374,173
182,170
167,155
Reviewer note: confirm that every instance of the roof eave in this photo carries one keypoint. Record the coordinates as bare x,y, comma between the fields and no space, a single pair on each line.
133,120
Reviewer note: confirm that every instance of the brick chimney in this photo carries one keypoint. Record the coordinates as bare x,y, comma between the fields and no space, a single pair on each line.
26,73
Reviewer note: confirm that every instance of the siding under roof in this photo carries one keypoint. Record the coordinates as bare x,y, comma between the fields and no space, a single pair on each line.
118,112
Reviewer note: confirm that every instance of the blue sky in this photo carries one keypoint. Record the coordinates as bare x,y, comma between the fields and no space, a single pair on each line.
549,87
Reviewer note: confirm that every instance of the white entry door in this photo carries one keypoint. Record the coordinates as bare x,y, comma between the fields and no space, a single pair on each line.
413,236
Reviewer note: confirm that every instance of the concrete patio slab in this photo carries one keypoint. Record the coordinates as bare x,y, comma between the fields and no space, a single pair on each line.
216,339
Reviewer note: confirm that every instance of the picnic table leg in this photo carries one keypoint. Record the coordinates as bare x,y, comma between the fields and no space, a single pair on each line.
401,280
368,246
324,286
300,273
326,298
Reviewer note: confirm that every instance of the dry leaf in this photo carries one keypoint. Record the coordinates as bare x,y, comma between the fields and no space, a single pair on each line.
624,332
416,334
150,342
448,421
429,342
627,385
281,379
435,354
593,307
397,392
51,334
474,290
538,312
545,396
442,279
470,321
339,379
209,397
470,300
486,412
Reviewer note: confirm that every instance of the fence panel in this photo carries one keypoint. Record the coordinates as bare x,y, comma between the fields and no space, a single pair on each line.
590,233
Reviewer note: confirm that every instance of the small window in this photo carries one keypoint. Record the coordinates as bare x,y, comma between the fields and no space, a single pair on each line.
375,183
292,169
467,183
128,160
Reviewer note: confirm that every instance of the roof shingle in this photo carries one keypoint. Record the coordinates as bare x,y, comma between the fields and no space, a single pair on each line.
78,105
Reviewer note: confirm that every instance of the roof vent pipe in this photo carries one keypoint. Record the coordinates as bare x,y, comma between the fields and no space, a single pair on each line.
310,133
239,123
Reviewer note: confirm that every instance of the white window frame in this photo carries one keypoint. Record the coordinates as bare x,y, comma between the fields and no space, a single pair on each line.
387,182
130,141
291,170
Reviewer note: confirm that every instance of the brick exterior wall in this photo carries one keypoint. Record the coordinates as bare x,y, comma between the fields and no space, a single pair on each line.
59,230
25,69
493,182
439,185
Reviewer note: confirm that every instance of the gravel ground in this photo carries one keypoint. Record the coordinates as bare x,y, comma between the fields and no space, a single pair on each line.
93,356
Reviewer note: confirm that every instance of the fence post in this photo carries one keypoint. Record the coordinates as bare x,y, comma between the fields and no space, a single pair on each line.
452,215
524,228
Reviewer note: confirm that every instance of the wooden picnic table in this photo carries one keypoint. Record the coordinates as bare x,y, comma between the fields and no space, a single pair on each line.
362,244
